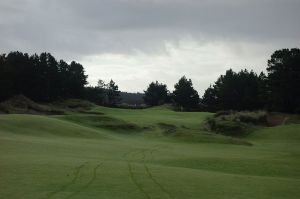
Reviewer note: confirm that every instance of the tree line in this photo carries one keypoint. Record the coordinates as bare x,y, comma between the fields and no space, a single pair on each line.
40,77
43,78
278,90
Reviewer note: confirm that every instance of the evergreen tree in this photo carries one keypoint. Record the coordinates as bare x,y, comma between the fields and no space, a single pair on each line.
40,77
237,91
156,94
185,95
76,80
113,93
209,99
284,80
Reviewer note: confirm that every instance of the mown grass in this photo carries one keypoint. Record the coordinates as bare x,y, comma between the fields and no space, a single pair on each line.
79,156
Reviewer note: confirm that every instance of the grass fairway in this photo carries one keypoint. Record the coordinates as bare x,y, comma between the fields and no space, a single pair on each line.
151,153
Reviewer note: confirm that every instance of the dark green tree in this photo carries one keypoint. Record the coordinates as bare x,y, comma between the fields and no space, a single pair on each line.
113,93
156,94
237,91
95,94
185,96
40,77
209,99
77,80
49,77
284,80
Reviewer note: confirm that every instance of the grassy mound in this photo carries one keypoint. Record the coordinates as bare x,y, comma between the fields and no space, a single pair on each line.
167,128
104,122
22,104
74,105
235,123
43,126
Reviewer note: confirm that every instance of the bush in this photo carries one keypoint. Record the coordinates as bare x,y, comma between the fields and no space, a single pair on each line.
235,123
258,117
223,126
22,104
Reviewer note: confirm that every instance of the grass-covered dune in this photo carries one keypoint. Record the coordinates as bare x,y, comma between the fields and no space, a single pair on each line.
148,153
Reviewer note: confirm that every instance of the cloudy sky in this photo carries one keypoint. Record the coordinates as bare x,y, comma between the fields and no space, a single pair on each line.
135,42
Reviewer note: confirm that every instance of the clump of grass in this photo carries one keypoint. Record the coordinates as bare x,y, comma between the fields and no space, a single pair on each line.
235,123
102,121
74,104
22,104
167,128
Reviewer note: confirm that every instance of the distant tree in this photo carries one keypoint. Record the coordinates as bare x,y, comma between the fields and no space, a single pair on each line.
135,99
210,99
113,93
95,94
284,80
40,77
101,84
237,91
262,98
64,70
49,77
185,95
102,92
76,80
156,94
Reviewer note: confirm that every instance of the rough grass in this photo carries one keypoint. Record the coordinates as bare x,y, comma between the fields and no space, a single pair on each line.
104,122
22,104
58,157
235,123
167,128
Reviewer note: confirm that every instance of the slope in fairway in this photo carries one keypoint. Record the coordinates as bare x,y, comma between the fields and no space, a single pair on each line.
130,154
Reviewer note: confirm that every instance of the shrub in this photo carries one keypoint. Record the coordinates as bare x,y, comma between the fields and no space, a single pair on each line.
235,123
22,104
258,117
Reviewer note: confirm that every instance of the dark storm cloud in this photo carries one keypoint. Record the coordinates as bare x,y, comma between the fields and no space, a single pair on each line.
83,27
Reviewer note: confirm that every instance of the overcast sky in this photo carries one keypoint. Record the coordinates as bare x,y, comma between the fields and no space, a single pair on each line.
135,42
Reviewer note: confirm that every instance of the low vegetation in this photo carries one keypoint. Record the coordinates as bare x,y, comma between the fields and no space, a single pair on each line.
77,105
21,104
235,123
104,122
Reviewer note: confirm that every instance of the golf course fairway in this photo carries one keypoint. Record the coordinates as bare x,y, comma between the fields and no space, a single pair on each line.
149,153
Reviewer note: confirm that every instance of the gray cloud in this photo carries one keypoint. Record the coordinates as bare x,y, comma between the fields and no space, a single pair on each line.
75,29
93,26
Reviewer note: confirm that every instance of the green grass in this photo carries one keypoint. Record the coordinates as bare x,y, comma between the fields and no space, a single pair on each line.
148,153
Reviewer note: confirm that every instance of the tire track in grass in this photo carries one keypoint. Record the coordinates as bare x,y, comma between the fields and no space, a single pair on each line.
131,173
64,187
147,170
135,181
153,178
94,175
